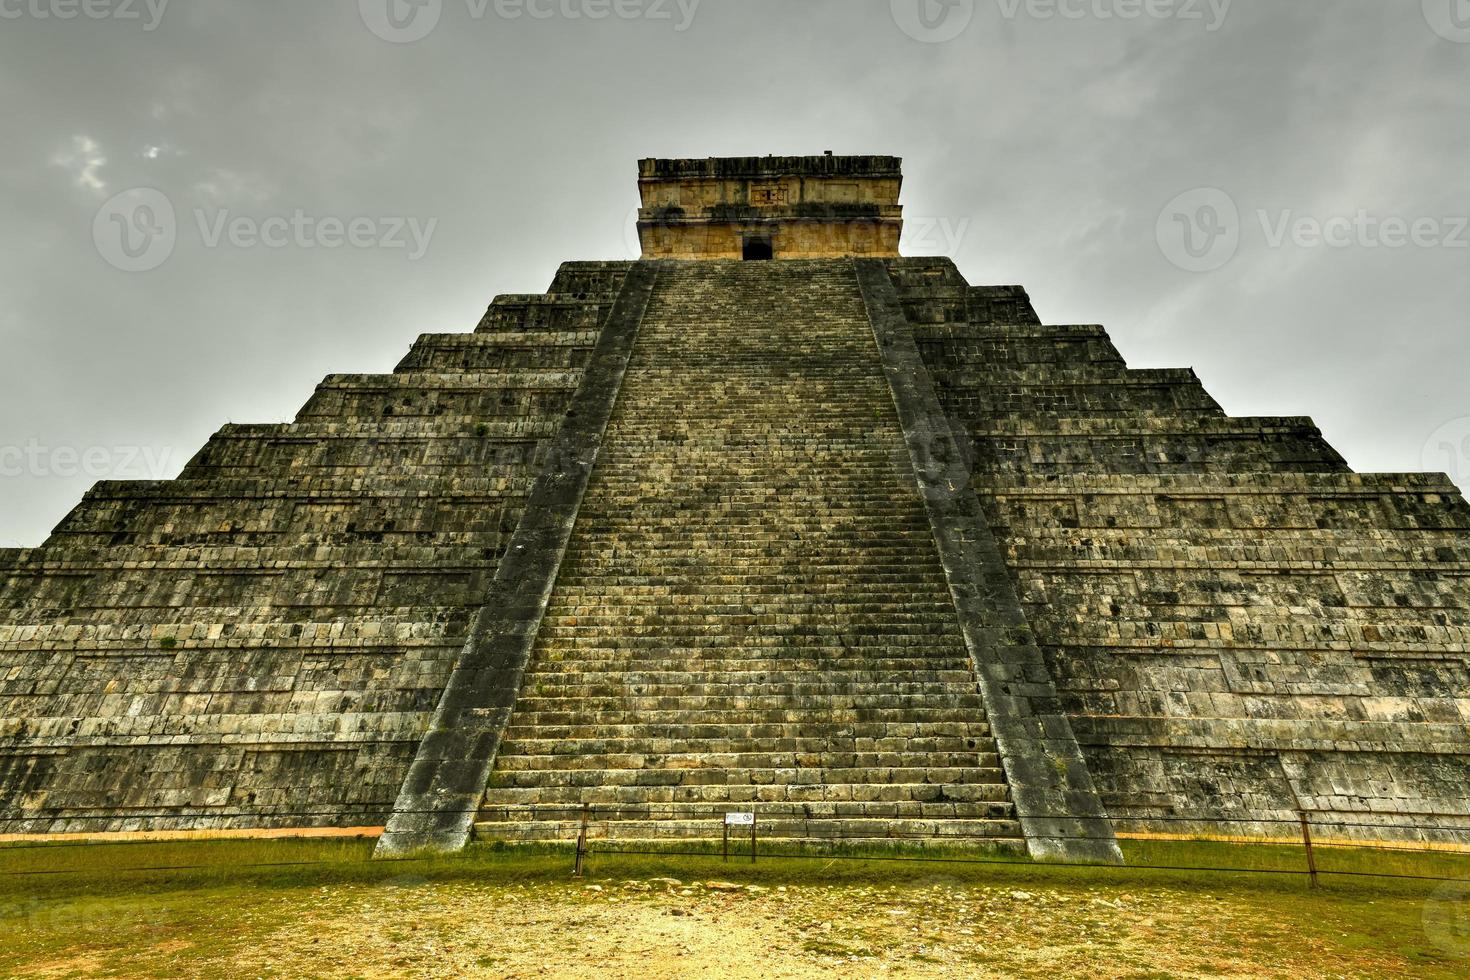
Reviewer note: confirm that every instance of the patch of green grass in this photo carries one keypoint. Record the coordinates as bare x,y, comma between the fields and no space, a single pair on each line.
1352,868
137,868
130,867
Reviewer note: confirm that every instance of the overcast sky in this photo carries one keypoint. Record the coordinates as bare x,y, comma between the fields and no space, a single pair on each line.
1070,148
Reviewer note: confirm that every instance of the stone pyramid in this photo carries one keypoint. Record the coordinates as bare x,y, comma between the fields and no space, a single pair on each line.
772,521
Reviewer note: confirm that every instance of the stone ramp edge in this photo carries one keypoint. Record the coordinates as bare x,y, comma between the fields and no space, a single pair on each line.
441,794
1060,811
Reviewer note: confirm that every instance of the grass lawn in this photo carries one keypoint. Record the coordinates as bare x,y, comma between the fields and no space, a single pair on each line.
292,908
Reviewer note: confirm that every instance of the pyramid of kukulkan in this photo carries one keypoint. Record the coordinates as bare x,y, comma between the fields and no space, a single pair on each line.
772,520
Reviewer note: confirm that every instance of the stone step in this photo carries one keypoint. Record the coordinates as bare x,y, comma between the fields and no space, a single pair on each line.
768,625
534,697
982,789
782,619
840,647
649,594
729,496
731,487
927,680
417,382
678,590
794,573
559,661
956,706
663,560
970,740
838,539
926,783
839,651
853,828
727,520
723,735
531,715
832,766
753,521
772,620
942,694
789,559
712,609
618,804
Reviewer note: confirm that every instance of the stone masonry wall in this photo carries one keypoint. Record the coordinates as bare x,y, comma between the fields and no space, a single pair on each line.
261,642
805,207
1240,626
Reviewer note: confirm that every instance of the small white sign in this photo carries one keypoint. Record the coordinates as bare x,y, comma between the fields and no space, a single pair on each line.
739,820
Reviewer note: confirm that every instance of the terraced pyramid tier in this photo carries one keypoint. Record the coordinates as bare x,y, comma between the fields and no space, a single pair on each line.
262,641
1239,627
752,613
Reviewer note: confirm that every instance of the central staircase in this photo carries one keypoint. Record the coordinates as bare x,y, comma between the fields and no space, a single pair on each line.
751,614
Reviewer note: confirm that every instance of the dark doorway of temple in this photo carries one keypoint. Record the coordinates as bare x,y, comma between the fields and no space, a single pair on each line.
759,250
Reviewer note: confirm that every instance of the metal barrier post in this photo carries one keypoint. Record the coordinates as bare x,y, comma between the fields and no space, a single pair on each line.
582,840
752,841
1307,840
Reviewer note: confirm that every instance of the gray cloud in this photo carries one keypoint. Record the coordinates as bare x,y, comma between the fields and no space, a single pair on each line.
1043,146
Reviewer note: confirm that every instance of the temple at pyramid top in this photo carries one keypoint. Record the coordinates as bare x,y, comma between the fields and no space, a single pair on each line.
770,207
